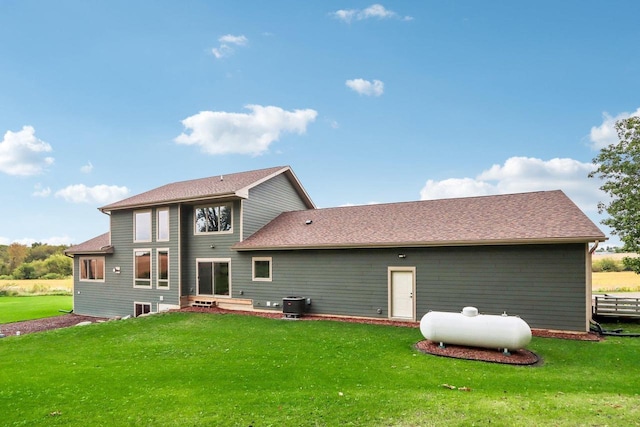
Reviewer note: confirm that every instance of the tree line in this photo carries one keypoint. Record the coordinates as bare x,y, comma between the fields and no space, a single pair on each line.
38,261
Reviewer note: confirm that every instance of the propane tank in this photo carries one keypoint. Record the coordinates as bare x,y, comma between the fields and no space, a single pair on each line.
476,330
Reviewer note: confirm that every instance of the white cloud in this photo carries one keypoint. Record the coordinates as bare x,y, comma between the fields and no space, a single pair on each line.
28,241
21,153
365,87
605,134
523,174
231,39
219,132
87,168
98,194
226,45
41,191
375,11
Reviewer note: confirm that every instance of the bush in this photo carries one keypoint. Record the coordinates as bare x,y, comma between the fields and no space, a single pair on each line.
606,265
53,276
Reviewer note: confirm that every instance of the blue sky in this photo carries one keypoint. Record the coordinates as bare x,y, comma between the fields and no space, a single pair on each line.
367,102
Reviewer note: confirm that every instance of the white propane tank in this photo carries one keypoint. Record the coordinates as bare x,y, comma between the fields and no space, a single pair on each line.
476,330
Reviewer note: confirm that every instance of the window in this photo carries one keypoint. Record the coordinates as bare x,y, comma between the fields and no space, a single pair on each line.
213,219
142,268
92,269
141,308
163,225
163,269
142,226
262,269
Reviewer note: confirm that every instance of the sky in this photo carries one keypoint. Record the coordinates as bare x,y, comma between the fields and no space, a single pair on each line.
367,102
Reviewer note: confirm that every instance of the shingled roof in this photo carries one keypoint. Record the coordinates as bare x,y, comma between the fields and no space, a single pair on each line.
219,186
537,217
98,245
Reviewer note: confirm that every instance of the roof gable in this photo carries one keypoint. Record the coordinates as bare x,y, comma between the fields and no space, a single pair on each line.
538,217
219,186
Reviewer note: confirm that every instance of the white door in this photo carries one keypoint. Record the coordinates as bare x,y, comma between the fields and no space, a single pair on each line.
401,288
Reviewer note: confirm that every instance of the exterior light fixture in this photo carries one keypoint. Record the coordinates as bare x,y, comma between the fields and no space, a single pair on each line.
402,256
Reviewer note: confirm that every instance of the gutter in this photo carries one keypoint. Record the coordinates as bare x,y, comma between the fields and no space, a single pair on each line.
229,196
595,246
387,245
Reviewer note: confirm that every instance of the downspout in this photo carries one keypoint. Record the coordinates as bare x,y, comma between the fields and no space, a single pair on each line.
589,284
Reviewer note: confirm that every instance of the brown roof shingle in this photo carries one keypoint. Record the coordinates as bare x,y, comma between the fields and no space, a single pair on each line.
99,244
232,185
546,216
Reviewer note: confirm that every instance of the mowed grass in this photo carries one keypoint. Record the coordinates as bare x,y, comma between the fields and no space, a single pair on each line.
15,309
233,370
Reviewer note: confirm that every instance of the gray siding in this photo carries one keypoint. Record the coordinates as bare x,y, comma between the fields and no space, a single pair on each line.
266,201
116,296
200,246
543,284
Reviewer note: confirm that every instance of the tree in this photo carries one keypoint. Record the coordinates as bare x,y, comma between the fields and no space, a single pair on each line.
59,264
17,254
618,165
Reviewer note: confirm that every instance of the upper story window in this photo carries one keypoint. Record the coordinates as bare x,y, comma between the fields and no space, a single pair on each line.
142,226
92,269
162,224
213,219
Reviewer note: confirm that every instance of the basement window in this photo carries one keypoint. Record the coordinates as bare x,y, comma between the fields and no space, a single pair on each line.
141,308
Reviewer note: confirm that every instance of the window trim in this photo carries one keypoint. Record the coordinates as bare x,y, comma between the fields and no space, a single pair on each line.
136,279
104,269
208,233
135,226
253,269
158,224
168,280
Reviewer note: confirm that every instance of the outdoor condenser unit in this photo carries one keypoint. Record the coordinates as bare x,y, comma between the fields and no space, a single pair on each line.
293,307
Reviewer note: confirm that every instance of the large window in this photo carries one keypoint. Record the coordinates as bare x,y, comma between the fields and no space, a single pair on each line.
163,225
262,269
142,264
142,226
163,269
213,219
92,269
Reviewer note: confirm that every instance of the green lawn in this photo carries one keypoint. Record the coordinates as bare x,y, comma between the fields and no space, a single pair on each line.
15,309
234,370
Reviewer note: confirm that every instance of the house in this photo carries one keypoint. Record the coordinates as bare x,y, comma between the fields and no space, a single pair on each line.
249,240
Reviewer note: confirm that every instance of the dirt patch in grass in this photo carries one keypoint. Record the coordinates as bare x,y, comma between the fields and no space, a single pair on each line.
38,325
514,357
